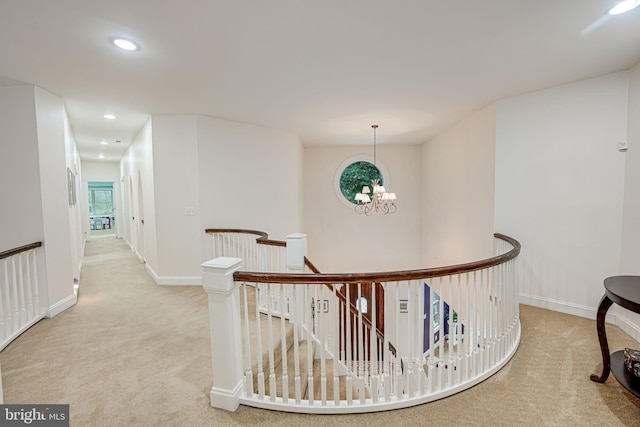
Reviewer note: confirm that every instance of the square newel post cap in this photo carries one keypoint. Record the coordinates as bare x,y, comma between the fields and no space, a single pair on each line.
217,274
296,251
295,236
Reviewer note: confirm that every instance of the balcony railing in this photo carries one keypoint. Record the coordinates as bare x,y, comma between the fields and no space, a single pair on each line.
301,341
20,301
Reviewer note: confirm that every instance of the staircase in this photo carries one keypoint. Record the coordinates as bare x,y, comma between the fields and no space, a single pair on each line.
270,383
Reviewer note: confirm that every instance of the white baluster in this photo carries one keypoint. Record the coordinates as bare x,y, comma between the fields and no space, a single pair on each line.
31,314
373,341
247,343
270,349
349,345
451,329
3,284
259,352
335,327
323,345
295,315
360,342
36,285
309,323
285,375
8,324
16,306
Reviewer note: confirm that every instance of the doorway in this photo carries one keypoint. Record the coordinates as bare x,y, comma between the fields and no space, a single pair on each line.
102,217
140,222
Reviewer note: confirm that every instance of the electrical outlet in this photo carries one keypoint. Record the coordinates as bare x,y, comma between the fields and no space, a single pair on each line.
190,211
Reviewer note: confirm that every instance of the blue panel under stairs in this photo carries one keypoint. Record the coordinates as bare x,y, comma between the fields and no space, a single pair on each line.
431,307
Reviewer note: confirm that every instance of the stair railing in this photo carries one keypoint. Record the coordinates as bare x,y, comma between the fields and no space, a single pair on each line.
21,304
447,343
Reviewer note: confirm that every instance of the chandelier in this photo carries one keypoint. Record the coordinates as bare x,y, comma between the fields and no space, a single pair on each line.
368,202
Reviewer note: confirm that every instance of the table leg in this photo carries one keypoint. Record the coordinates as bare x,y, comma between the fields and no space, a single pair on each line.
605,303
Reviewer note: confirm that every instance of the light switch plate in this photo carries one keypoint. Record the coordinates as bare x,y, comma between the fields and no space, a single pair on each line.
622,146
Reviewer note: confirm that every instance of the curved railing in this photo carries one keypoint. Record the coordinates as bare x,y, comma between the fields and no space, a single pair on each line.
20,304
387,276
451,328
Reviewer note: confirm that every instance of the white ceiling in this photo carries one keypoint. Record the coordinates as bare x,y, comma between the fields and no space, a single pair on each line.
325,70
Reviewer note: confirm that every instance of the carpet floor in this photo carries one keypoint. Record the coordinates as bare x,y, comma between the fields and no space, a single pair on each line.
131,353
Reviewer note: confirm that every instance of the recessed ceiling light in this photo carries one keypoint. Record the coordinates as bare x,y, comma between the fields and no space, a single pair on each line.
103,142
101,156
109,116
124,44
624,6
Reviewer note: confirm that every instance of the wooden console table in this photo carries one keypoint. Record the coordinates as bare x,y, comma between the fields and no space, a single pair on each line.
624,291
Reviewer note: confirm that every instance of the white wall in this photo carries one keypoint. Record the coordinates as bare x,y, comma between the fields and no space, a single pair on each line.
559,188
102,172
55,201
175,166
21,207
249,177
630,249
37,146
458,168
339,240
72,161
231,174
136,168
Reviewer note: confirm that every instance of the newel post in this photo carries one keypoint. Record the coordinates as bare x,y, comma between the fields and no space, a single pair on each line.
226,334
296,252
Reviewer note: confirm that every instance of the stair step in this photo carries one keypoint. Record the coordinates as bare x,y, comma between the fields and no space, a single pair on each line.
304,361
291,377
330,382
264,338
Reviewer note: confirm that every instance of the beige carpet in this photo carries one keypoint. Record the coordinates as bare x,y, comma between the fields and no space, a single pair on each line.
131,353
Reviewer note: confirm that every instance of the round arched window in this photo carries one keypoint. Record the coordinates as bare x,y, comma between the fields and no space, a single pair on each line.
357,175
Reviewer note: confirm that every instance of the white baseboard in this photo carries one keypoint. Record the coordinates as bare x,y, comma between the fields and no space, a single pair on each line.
560,306
61,306
180,280
617,319
628,326
173,280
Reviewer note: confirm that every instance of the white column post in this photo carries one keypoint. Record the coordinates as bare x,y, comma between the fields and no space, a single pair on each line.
226,333
296,252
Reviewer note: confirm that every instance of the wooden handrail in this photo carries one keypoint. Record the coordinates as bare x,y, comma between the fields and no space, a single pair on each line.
262,239
351,278
387,276
15,251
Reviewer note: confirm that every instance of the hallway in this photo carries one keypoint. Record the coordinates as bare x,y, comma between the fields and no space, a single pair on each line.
132,353
129,353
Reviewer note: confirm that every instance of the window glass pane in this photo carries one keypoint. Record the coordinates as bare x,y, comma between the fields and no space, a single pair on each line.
362,305
357,175
100,202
